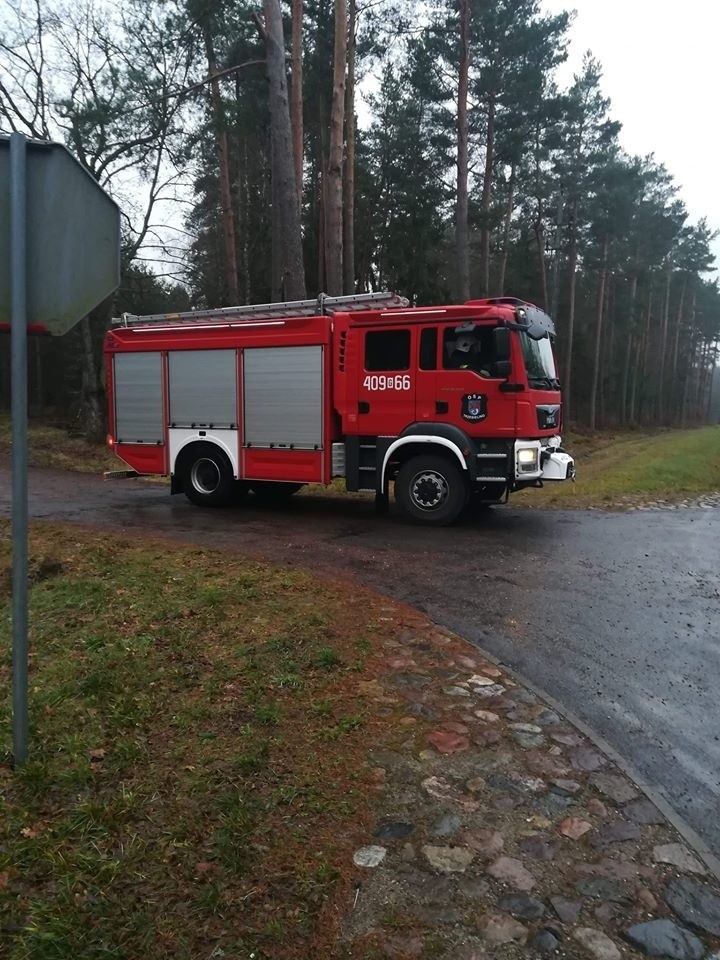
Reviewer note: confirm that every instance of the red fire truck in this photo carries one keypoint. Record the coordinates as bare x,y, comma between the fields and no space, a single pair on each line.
444,403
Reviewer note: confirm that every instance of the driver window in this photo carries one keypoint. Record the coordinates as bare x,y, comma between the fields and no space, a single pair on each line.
472,349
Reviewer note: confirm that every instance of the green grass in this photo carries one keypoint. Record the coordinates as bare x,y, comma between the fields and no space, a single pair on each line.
197,769
619,470
53,446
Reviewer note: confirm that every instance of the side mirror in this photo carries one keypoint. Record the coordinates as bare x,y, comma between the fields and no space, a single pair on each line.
536,331
501,336
501,369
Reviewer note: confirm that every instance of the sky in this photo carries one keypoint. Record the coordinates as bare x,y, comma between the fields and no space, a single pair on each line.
660,69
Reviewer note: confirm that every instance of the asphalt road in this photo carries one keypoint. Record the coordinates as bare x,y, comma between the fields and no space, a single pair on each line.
615,615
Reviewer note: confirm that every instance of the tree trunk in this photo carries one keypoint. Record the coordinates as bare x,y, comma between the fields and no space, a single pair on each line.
485,205
221,138
629,350
663,345
690,334
711,385
607,354
540,240
241,207
334,183
598,337
632,415
692,354
276,231
506,233
555,296
462,230
678,324
322,205
645,395
567,388
284,191
245,234
92,394
297,95
701,375
676,345
349,193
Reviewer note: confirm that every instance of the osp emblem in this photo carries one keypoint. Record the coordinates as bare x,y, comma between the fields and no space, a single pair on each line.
474,407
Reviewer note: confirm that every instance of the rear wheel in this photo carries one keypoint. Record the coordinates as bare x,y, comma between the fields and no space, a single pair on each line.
207,476
431,489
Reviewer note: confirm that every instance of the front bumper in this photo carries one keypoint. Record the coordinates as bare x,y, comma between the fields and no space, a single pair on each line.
538,460
558,465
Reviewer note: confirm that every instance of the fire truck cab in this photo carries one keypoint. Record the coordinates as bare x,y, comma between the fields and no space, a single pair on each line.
441,403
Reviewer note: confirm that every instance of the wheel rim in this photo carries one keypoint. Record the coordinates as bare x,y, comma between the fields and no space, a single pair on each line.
205,476
429,490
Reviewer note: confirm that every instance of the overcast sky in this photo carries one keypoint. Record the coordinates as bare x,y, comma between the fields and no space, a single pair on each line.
660,69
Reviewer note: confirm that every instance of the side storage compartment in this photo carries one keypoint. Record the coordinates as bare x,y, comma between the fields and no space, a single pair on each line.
203,407
138,398
203,389
138,410
283,408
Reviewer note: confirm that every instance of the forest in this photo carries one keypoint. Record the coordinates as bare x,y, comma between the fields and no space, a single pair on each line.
265,151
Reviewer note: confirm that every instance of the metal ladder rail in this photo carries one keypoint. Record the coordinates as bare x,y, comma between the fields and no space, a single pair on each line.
322,306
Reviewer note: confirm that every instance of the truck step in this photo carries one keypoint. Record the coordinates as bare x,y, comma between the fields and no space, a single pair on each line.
120,474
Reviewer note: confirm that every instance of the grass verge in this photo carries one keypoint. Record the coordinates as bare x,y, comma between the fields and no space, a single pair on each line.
198,754
52,446
619,470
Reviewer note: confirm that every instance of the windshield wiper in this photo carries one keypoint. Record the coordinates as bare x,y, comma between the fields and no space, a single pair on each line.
546,383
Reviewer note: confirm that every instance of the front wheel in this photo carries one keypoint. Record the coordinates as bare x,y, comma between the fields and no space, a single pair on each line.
431,489
207,476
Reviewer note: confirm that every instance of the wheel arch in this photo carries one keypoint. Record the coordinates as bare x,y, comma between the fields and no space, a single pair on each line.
184,454
412,444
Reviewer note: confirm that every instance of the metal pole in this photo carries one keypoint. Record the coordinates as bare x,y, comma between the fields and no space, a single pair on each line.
18,353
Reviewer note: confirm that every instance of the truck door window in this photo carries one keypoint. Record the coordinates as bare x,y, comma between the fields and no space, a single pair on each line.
472,349
387,350
428,349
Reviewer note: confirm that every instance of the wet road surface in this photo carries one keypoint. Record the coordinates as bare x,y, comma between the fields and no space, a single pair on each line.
615,615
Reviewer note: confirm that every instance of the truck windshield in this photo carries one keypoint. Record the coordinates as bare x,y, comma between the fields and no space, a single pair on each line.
539,363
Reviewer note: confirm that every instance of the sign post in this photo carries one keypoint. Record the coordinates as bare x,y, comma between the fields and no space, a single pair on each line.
59,258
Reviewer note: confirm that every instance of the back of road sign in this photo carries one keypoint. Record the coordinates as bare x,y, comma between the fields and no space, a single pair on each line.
73,239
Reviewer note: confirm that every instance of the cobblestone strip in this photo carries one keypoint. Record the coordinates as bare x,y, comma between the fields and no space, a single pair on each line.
709,501
503,832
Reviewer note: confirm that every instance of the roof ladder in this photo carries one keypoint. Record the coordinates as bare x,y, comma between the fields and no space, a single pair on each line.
322,306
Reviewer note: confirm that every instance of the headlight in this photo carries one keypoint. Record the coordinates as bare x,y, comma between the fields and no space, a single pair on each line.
528,460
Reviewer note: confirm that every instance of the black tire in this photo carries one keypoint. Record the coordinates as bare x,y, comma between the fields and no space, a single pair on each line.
271,492
431,489
207,476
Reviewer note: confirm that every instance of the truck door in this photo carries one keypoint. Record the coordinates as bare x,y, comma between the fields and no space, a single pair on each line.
386,388
467,385
428,406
